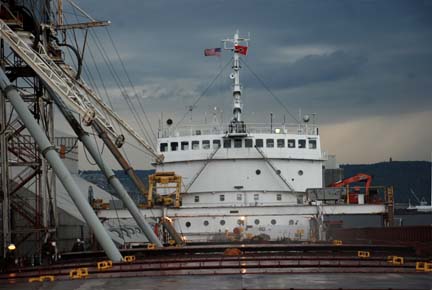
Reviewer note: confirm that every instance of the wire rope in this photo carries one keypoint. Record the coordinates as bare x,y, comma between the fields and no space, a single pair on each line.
202,94
269,91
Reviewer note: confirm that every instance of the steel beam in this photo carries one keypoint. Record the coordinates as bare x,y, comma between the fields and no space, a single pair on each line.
49,152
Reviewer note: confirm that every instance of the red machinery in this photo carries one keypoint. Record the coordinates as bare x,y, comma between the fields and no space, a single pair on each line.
360,177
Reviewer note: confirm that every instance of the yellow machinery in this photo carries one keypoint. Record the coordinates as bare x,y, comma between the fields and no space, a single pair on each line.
164,180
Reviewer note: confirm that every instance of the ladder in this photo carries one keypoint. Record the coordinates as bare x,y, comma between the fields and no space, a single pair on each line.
277,171
73,92
202,168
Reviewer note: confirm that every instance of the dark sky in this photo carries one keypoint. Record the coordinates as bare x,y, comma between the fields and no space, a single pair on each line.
364,67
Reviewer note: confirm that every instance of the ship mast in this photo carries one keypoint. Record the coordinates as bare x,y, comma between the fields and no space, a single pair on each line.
239,46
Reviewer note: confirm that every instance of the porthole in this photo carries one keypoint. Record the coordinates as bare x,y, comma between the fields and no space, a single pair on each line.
291,222
188,224
206,223
222,222
278,172
300,172
258,172
273,222
257,221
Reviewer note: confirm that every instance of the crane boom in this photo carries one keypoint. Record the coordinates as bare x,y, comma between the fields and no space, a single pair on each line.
360,177
75,93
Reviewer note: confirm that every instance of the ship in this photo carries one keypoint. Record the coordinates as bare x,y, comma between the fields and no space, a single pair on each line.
246,181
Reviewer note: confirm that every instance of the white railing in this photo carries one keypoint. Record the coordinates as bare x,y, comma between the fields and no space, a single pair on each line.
251,128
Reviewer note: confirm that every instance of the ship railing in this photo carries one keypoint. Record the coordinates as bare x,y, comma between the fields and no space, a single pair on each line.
251,128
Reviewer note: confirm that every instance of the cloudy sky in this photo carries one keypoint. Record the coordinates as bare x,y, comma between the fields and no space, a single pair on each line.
363,67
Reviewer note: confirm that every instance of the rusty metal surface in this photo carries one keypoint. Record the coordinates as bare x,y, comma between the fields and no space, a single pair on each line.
255,267
418,237
293,249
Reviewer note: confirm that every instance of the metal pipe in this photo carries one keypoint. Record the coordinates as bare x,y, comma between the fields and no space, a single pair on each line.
119,157
49,152
108,172
133,209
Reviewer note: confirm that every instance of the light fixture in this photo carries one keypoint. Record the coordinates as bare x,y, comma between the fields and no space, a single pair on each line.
11,247
277,130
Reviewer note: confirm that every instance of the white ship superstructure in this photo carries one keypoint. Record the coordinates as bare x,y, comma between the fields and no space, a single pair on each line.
243,181
243,166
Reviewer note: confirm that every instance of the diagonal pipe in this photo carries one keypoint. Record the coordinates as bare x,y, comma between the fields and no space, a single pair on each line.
108,172
49,152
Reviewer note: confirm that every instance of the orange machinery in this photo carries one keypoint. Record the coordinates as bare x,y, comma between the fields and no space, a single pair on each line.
360,177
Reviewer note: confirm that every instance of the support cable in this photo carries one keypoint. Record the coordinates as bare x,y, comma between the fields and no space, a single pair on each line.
120,84
268,90
130,82
203,93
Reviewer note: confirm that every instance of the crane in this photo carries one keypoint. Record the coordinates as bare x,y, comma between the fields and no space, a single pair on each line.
360,177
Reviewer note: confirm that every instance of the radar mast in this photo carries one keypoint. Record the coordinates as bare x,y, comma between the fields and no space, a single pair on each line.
239,45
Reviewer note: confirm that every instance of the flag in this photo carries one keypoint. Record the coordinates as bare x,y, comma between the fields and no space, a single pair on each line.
241,49
212,51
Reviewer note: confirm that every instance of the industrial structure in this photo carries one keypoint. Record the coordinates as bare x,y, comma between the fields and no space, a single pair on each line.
34,77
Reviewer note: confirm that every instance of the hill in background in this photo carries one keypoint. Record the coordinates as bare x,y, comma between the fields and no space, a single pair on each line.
403,175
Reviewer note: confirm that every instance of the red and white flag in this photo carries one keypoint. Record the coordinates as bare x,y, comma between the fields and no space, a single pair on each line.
241,49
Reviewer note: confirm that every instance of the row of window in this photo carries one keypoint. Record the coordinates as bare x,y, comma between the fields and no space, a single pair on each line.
256,197
239,197
238,143
241,222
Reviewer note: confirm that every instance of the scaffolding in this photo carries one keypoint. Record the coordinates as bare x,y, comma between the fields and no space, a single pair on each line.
27,181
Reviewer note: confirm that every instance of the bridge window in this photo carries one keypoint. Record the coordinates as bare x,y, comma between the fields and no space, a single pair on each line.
195,145
301,143
184,145
206,144
299,199
237,143
312,144
216,144
248,143
222,197
174,146
227,143
291,143
259,143
163,147
269,143
280,143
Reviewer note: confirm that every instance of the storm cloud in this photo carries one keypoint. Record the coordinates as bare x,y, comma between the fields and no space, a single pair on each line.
353,63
